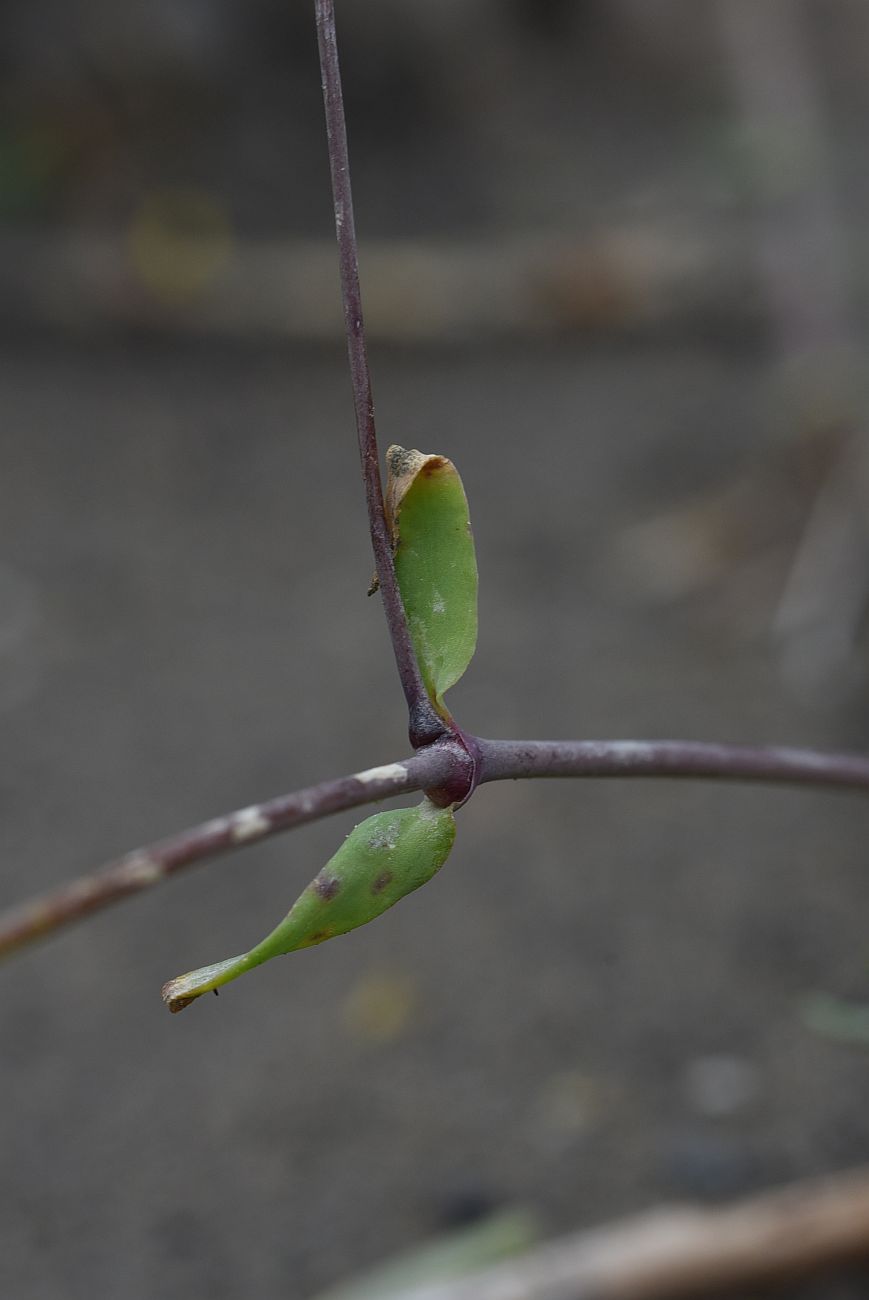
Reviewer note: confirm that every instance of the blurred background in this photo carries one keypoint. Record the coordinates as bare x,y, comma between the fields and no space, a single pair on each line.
614,260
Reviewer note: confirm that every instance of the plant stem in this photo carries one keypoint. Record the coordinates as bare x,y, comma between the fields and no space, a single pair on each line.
150,866
434,767
502,760
424,723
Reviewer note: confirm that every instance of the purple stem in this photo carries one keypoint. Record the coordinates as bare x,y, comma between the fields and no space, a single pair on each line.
502,760
424,723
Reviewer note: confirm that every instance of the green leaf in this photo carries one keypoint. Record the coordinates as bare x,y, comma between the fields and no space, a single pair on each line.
382,859
435,564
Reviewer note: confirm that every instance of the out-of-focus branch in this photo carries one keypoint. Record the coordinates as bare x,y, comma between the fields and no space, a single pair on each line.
800,237
628,278
686,1252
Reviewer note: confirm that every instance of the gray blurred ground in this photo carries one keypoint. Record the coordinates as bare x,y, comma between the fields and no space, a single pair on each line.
595,1007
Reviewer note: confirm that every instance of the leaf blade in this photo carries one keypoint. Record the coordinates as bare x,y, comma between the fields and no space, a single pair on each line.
384,858
435,564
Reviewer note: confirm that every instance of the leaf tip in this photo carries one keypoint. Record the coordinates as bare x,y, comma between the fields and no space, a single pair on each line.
179,992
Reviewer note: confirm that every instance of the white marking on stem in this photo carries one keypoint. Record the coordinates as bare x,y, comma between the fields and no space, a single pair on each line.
389,772
144,869
249,824
217,826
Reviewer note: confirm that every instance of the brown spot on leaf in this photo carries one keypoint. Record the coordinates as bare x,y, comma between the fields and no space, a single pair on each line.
327,887
384,879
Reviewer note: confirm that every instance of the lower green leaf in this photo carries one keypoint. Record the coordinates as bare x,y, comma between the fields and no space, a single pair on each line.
382,859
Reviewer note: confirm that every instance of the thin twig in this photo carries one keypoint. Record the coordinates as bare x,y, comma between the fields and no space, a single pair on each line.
152,865
773,69
503,760
808,280
424,723
432,768
682,1251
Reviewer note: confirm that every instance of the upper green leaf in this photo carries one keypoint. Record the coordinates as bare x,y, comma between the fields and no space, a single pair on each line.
435,564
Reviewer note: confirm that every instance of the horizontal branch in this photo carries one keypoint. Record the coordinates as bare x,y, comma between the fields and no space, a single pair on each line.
682,1251
152,865
432,768
504,760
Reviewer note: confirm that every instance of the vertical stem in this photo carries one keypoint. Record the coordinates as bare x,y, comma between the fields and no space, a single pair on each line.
424,723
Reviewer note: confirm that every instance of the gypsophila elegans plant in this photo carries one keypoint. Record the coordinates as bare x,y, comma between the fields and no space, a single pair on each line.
426,575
